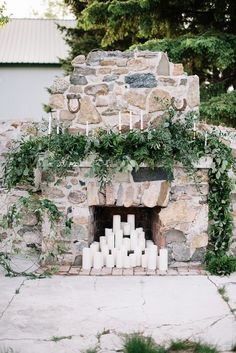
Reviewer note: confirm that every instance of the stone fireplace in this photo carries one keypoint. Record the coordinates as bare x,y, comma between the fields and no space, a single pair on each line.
172,211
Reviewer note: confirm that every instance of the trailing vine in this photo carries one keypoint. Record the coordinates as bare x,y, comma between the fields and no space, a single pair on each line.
163,145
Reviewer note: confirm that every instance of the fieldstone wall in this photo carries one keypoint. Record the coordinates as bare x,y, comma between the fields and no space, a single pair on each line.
183,216
104,84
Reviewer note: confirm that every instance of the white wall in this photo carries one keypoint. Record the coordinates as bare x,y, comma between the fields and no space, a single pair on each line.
23,91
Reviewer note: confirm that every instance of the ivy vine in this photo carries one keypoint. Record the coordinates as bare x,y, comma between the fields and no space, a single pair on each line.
170,141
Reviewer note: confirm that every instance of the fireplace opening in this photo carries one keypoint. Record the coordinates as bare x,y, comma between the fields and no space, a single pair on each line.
145,217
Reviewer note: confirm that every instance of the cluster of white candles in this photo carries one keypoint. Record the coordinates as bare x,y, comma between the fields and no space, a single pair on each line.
124,246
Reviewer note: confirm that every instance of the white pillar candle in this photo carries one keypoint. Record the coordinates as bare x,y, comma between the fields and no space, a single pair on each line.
86,259
114,253
97,260
108,231
124,250
139,230
141,235
105,252
119,121
141,243
119,259
130,121
149,243
132,258
205,139
144,260
163,260
87,128
102,241
151,260
111,241
118,238
110,261
126,260
126,243
50,124
141,121
152,257
131,221
158,261
94,247
127,229
138,256
116,223
133,241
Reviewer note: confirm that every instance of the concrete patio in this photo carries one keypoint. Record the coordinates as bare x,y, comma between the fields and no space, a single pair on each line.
71,314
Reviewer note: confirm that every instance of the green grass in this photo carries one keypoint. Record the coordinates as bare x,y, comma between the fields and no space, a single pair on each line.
59,338
233,349
194,347
223,293
139,344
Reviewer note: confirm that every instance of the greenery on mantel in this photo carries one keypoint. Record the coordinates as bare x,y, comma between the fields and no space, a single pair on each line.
172,140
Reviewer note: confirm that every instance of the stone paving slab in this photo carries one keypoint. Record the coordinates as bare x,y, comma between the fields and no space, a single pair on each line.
88,311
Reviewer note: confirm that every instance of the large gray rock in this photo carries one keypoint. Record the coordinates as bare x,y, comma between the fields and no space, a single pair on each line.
163,67
76,79
60,85
88,112
84,71
181,252
141,80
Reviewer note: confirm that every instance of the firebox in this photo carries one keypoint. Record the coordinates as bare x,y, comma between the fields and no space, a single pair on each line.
145,217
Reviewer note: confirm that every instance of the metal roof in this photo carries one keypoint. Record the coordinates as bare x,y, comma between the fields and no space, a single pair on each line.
33,41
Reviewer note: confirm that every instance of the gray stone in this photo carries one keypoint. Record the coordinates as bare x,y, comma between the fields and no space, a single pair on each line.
198,255
78,260
109,78
175,236
78,60
81,233
88,112
181,252
76,79
56,101
60,85
84,71
148,174
110,112
65,115
141,80
163,67
29,219
98,89
183,82
76,197
166,81
95,56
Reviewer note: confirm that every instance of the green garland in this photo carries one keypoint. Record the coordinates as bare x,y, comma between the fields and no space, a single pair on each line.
162,145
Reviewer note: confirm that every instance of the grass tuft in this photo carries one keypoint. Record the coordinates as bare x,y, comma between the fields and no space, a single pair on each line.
139,344
233,349
60,338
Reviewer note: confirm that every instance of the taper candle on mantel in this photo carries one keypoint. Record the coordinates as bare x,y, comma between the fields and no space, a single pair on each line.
119,122
87,128
141,121
130,120
50,124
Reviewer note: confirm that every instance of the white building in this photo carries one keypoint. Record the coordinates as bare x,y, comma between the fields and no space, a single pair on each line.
29,61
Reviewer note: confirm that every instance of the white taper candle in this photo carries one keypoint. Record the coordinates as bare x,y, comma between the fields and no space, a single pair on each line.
130,121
